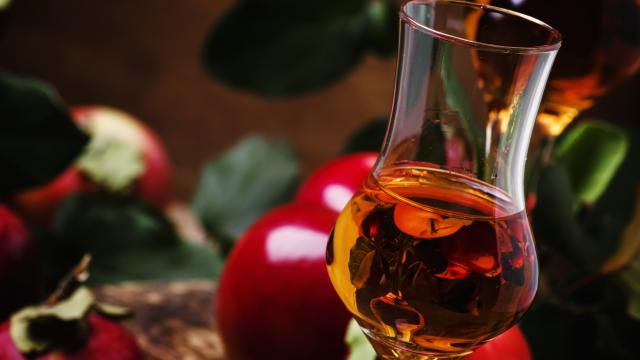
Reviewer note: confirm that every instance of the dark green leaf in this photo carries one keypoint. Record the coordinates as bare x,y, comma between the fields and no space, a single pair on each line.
367,138
557,333
615,335
633,306
603,238
38,139
554,223
236,188
166,263
287,47
129,240
592,153
628,247
383,27
459,96
628,258
432,144
613,214
548,331
103,223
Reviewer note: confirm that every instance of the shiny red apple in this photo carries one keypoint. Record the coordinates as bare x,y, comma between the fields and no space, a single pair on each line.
510,345
333,184
106,340
275,300
153,184
17,263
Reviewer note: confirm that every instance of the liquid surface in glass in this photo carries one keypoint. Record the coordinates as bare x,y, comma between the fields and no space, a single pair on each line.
432,262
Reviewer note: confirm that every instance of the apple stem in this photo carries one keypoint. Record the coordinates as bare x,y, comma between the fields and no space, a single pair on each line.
70,282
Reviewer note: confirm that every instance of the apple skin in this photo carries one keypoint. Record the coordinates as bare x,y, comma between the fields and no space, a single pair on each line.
333,184
510,345
107,341
17,264
275,300
38,205
154,185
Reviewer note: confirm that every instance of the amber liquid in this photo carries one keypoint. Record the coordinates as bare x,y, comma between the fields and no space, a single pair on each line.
600,48
432,263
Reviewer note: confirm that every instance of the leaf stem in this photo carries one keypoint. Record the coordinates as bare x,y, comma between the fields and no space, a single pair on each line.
70,282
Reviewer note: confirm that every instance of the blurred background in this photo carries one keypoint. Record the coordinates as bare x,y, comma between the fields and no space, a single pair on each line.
198,74
145,57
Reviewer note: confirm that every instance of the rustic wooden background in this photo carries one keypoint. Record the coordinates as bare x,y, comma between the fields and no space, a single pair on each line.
143,56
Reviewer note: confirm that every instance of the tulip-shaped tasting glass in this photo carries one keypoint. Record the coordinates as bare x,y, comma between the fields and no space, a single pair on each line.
434,255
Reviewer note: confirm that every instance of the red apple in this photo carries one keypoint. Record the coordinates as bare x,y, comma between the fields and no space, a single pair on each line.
334,184
152,183
510,345
17,275
106,340
275,300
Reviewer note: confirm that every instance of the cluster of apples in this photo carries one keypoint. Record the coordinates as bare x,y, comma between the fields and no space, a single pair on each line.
104,124
103,338
275,300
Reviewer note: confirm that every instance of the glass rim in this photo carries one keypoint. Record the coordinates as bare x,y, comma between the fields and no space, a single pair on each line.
553,45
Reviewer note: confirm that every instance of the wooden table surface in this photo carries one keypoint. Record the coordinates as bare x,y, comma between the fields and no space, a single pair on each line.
172,320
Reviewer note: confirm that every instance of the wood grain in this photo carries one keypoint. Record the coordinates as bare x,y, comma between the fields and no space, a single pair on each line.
172,320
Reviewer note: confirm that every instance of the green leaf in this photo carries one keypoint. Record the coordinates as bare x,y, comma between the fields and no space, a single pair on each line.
158,263
592,153
112,311
627,258
633,307
239,186
432,145
554,222
629,244
367,138
615,216
558,333
612,340
359,347
103,223
34,328
111,163
38,139
602,239
460,98
382,27
548,331
4,4
128,239
287,47
73,308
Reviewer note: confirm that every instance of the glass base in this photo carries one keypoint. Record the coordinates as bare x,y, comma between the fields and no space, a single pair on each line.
393,351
